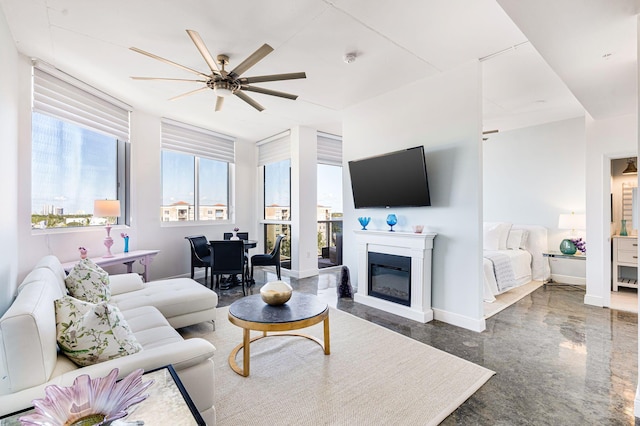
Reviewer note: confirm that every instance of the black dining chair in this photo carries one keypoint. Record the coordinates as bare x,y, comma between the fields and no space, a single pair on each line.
200,254
268,259
228,259
243,236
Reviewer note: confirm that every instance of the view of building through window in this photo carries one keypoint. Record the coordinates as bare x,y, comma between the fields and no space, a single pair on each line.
329,214
179,181
277,208
71,168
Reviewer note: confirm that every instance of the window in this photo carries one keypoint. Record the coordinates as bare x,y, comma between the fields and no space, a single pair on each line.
196,165
79,151
329,199
277,191
275,159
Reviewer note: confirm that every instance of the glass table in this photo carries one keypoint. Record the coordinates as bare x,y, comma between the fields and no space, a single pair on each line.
168,403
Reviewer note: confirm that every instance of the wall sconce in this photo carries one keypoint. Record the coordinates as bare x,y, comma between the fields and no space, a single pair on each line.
631,168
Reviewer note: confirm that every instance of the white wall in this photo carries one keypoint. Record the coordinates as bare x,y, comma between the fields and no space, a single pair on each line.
605,139
534,174
443,114
8,165
146,230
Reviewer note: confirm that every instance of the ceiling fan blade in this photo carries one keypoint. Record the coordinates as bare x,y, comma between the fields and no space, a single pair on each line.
270,92
248,100
168,79
219,103
166,61
253,59
202,48
273,77
193,92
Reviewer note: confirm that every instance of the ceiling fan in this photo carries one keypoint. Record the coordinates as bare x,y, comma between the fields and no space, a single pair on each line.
225,83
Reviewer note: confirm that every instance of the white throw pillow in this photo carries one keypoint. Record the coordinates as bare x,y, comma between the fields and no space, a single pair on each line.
515,239
525,237
89,282
503,231
490,236
91,333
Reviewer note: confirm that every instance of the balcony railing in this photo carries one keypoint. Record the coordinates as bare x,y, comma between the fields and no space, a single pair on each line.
329,243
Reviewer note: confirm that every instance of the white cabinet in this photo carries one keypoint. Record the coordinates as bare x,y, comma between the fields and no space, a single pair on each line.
625,262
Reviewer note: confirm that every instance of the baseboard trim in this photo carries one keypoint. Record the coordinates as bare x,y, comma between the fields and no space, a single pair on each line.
568,279
593,300
458,320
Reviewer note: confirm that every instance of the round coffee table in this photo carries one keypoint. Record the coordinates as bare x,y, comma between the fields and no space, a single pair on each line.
251,313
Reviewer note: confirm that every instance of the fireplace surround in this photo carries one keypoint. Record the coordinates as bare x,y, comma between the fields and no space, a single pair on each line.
418,249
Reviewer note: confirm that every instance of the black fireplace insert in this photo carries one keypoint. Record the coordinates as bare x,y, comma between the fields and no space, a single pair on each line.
390,277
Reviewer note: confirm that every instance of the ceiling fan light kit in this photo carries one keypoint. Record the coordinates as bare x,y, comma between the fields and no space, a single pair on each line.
222,82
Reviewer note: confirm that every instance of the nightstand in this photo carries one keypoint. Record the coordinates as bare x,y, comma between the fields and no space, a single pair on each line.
566,271
625,262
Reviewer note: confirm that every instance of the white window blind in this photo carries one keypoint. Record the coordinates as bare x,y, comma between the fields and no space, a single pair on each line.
274,149
61,96
196,141
329,149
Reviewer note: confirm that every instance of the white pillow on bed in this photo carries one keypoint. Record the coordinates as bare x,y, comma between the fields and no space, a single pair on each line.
502,229
514,242
491,236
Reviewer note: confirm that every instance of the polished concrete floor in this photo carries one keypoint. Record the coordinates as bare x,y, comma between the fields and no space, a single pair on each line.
557,361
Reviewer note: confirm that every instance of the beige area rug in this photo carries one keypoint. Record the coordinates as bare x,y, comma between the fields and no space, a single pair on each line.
373,376
507,299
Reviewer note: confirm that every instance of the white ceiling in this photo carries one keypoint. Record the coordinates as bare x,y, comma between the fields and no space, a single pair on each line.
396,43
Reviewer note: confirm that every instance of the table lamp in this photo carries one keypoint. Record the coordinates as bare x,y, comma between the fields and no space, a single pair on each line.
571,221
107,209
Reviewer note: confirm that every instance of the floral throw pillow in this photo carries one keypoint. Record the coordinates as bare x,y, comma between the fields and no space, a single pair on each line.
89,333
89,282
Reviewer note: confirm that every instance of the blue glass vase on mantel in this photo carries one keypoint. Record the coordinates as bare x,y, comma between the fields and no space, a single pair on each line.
392,220
364,221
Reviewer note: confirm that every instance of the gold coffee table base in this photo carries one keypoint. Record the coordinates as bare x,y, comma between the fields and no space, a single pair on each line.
280,329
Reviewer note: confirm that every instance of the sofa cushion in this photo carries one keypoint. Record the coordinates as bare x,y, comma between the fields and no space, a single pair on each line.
173,297
28,347
91,333
53,264
89,282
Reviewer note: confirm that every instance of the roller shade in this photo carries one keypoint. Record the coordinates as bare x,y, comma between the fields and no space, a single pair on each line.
275,149
196,141
61,96
329,149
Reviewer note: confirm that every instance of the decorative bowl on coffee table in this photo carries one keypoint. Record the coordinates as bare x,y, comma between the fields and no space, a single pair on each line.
276,293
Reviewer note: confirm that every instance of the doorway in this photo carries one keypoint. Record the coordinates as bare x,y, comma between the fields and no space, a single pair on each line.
624,235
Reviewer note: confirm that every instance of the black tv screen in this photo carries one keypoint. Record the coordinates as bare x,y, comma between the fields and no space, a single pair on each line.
396,179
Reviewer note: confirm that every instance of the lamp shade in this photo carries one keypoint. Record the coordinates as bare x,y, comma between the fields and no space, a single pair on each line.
572,221
106,208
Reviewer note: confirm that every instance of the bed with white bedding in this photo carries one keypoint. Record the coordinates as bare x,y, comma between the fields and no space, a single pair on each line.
512,257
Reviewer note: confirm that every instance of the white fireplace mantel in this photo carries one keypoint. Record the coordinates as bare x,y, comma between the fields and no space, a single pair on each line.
419,248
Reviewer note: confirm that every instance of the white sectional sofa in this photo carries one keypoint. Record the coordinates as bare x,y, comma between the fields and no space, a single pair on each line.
30,358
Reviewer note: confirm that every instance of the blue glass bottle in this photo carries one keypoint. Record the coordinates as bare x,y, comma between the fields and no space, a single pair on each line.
391,220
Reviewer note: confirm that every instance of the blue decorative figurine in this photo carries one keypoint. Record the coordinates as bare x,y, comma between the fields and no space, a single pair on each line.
391,220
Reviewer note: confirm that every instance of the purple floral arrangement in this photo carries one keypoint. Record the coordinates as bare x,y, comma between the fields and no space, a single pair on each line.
580,244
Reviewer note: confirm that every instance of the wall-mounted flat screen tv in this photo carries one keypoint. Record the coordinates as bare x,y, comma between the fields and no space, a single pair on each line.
396,179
